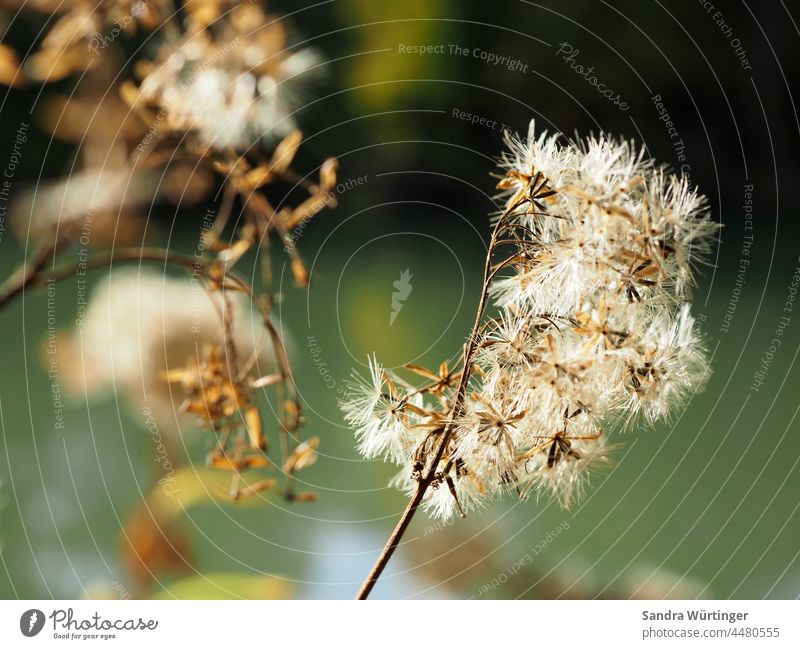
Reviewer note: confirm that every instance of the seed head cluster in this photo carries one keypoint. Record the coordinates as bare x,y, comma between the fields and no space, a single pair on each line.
232,81
592,263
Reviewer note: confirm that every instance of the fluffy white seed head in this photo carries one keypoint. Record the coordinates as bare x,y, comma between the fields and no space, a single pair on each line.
231,83
380,415
594,331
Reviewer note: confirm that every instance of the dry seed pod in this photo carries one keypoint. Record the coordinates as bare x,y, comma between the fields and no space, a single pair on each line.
303,456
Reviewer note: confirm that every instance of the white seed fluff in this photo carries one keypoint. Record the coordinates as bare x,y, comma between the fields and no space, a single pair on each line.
594,332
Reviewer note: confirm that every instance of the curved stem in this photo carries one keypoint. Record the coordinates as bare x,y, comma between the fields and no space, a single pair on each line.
425,482
394,540
26,274
31,275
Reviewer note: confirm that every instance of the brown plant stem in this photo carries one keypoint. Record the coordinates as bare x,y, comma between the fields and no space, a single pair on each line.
31,275
26,275
426,480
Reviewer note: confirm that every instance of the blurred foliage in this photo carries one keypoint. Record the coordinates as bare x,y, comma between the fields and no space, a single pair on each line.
226,586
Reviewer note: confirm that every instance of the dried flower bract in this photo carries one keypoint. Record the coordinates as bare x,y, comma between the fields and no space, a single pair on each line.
590,264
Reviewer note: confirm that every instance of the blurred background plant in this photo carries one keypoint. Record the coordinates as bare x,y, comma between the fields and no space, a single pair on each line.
204,125
706,506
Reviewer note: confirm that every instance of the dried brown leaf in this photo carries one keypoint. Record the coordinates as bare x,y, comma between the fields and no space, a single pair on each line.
303,456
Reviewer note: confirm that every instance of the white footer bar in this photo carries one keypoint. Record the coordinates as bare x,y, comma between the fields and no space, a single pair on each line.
405,624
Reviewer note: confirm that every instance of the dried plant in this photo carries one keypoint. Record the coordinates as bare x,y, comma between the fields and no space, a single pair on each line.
236,72
212,109
139,324
590,263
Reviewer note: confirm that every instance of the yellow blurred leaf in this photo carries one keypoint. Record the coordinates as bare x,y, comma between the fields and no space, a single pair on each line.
226,586
190,486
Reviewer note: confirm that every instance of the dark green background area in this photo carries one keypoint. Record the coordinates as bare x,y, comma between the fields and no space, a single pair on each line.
707,504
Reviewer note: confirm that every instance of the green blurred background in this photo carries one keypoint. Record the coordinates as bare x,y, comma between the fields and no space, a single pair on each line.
705,507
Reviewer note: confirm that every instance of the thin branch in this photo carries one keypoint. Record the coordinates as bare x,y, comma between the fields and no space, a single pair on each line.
426,480
32,275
